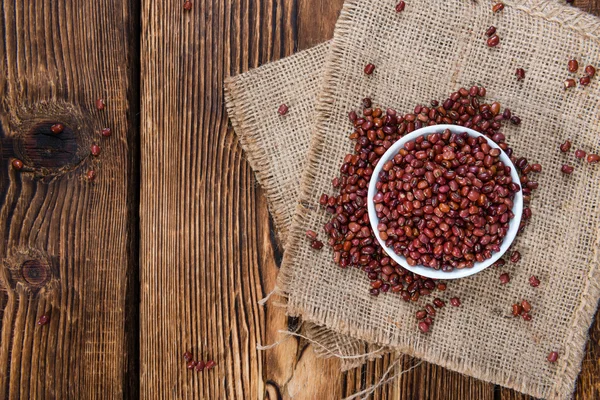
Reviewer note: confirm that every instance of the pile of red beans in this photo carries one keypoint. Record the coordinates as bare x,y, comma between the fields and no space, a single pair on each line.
349,231
445,201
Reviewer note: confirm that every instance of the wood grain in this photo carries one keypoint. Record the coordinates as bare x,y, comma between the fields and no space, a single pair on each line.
79,238
208,250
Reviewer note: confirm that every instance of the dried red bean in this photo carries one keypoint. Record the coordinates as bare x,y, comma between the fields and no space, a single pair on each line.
421,314
43,320
526,306
369,69
210,364
91,175
57,128
493,41
200,365
311,234
517,309
584,80
515,257
498,7
590,71
570,83
283,109
95,150
191,364
527,317
352,116
534,281
400,6
565,147
520,73
536,167
455,301
106,132
187,356
504,278
439,303
567,169
552,357
17,164
187,6
593,158
430,310
491,30
573,65
515,120
100,104
423,327
580,154
441,286
316,244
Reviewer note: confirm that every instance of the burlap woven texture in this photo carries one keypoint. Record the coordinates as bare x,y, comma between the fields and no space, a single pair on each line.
427,52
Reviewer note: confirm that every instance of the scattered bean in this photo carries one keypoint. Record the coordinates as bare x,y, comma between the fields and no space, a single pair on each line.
17,164
106,132
316,244
91,175
504,278
498,7
515,257
187,6
100,104
590,71
455,301
534,281
593,158
369,69
520,73
493,41
400,6
43,320
491,30
584,80
573,65
570,83
567,169
283,109
57,128
565,147
553,357
95,150
580,154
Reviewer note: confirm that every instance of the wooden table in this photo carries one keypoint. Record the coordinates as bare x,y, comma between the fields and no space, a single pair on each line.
171,247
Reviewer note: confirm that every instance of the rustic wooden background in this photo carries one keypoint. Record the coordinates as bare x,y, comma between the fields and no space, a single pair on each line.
172,246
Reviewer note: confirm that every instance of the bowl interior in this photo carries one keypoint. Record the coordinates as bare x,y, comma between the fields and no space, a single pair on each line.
427,271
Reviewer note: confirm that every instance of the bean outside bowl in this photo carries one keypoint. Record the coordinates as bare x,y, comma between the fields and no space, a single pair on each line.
428,271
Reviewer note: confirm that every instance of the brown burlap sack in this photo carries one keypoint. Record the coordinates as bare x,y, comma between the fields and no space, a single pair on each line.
426,52
423,54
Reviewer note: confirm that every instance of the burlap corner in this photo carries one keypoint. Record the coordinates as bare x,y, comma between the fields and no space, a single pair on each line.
426,52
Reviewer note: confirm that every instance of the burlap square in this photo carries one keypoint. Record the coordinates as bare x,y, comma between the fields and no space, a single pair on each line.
426,52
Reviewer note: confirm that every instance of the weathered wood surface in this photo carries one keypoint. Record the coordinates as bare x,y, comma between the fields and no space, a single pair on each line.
207,250
68,247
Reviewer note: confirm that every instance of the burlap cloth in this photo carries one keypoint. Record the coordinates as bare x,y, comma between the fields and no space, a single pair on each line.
425,53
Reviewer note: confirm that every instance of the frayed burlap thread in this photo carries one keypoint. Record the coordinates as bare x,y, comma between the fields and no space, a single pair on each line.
424,53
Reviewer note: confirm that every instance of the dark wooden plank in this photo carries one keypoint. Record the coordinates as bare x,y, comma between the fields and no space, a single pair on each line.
68,246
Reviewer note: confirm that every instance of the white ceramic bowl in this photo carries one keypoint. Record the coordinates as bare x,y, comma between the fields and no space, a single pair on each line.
427,271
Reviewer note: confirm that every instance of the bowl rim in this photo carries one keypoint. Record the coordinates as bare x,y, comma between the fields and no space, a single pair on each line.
427,271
